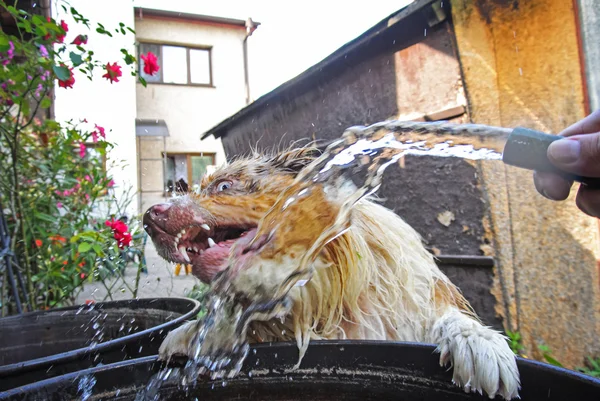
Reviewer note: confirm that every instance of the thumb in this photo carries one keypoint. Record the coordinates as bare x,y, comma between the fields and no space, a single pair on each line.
578,154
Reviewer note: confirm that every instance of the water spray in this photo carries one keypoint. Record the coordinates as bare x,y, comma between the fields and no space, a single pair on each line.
520,147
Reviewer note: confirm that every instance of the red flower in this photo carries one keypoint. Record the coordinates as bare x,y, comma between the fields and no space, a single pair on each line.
120,232
81,150
89,302
65,28
82,275
69,82
113,72
38,243
58,238
150,63
80,40
60,37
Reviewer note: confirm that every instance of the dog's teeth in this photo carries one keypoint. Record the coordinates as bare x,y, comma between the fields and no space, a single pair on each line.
205,226
179,235
195,249
211,242
184,254
183,231
176,240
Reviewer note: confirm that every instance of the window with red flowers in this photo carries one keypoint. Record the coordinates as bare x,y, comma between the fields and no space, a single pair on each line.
179,64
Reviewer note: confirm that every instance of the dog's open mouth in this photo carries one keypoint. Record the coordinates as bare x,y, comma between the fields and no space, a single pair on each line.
205,248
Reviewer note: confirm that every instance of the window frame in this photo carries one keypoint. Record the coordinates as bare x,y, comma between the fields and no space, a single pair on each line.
187,48
188,161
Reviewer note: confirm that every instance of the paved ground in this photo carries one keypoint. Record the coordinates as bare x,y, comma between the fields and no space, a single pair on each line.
159,282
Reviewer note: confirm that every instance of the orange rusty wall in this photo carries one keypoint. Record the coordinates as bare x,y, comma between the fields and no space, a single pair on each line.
521,67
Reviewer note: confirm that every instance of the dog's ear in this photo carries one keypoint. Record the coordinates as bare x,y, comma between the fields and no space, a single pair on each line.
293,160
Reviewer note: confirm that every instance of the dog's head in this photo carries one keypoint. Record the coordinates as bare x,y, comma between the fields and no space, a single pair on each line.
201,229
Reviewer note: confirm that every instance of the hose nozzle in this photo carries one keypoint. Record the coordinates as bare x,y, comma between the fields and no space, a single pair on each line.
528,149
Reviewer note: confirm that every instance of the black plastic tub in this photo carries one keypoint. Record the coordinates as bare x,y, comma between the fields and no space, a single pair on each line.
40,345
344,370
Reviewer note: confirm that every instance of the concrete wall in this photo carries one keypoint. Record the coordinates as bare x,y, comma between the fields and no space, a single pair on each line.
109,105
187,110
521,65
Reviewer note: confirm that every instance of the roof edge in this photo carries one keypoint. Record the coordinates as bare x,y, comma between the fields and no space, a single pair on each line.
153,12
383,25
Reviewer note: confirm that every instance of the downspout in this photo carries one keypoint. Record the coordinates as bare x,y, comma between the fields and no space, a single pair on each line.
250,28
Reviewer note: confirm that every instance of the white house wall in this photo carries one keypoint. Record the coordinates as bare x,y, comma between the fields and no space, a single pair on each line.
188,111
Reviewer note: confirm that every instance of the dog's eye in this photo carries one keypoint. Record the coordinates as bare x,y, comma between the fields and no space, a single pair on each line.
224,185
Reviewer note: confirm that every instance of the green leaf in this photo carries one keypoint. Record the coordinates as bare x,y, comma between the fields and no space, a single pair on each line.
61,72
98,249
45,217
552,361
46,102
4,46
75,59
84,247
143,81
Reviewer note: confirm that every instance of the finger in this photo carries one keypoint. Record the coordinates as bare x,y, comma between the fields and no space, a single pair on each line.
578,154
552,186
588,200
586,126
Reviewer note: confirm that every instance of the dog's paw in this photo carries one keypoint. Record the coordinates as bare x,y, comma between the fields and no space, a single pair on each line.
177,342
481,357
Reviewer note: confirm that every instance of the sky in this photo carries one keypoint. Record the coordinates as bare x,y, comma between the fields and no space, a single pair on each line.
293,35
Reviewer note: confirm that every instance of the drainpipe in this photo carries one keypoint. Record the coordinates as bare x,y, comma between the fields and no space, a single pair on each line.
250,28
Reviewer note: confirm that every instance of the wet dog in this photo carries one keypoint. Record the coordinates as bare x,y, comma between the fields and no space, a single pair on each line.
376,281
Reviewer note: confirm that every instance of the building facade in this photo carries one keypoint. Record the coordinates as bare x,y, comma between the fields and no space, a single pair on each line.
203,78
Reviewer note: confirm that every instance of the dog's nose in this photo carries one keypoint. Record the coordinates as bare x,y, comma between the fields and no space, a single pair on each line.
156,216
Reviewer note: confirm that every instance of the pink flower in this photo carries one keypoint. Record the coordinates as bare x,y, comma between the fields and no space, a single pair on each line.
43,51
94,136
87,197
59,205
100,130
10,53
88,178
111,184
57,192
82,150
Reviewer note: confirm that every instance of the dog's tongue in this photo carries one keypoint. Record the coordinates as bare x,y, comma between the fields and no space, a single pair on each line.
214,259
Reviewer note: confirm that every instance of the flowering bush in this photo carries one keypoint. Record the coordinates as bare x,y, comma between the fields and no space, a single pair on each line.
55,190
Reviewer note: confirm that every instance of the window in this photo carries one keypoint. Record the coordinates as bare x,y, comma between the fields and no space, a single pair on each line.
184,171
179,65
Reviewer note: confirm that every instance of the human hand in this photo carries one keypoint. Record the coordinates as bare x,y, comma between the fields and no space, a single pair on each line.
578,153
